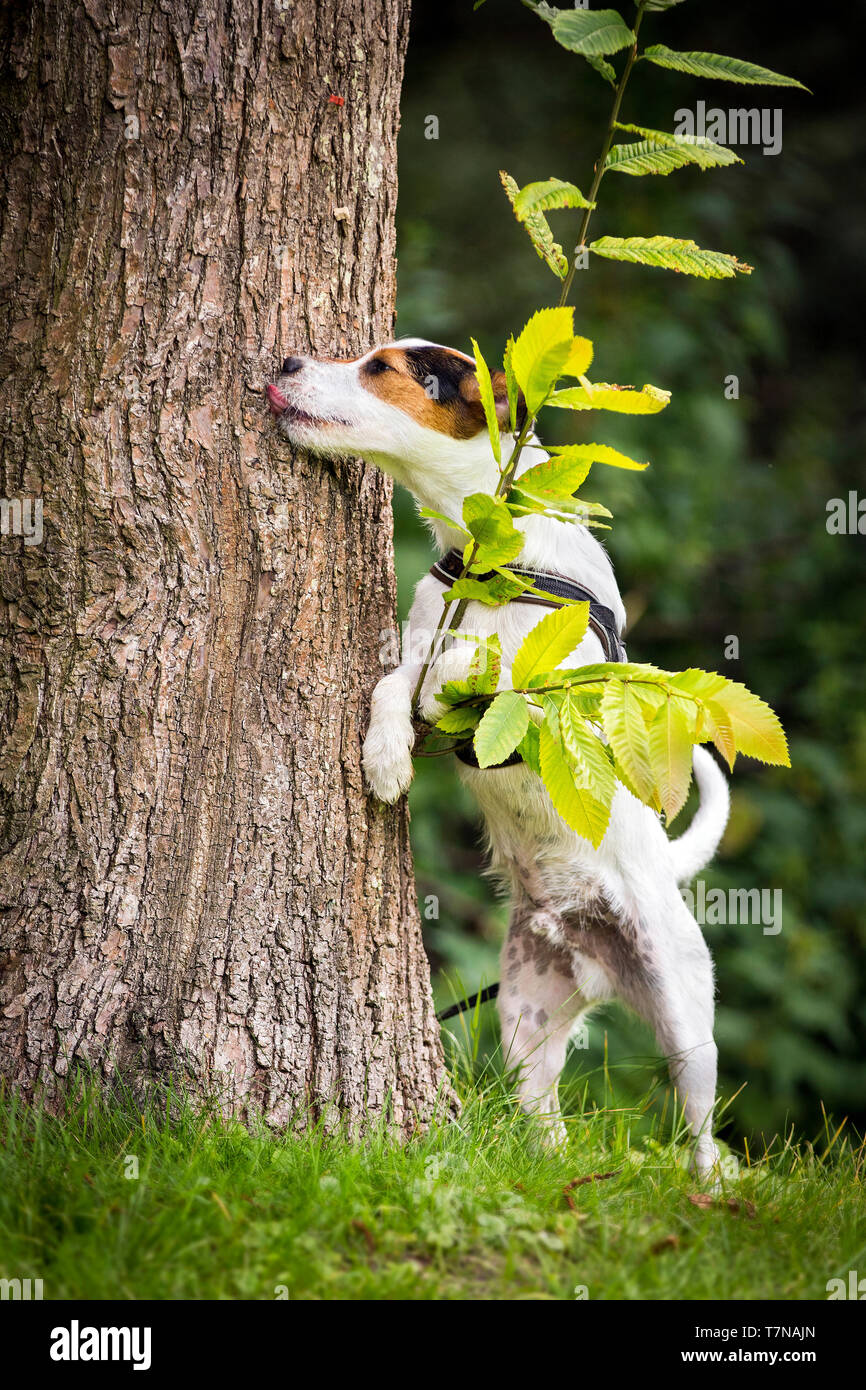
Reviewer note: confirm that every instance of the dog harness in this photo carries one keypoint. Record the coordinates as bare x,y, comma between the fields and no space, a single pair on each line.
601,619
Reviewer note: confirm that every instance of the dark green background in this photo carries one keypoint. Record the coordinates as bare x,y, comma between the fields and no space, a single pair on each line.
726,533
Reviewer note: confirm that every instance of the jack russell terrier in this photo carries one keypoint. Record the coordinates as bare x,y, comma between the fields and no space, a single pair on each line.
586,924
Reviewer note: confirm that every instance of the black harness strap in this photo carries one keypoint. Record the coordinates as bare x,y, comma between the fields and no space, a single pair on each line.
601,618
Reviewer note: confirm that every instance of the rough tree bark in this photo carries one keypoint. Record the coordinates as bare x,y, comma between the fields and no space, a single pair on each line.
191,874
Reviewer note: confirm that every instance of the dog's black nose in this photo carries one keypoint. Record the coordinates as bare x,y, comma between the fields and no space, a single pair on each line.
292,364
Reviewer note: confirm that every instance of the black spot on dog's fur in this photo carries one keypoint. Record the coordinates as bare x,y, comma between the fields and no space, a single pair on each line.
445,368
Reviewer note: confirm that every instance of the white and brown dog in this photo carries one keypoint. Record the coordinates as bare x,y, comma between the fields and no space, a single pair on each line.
586,924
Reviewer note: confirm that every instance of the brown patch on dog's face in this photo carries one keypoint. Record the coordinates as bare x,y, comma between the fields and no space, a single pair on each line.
437,387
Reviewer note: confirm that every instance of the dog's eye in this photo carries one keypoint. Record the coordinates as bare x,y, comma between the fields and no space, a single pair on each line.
376,367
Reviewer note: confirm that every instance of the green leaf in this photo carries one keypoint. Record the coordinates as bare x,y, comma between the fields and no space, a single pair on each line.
432,515
670,747
579,358
485,667
492,558
588,705
577,806
528,748
511,386
575,510
541,352
644,158
756,727
492,592
624,725
590,32
528,588
549,642
654,157
671,254
548,196
661,4
488,400
459,721
569,464
453,692
503,726
538,230
614,458
652,697
625,400
716,724
558,476
716,65
591,766
604,69
690,712
563,508
697,149
702,684
489,521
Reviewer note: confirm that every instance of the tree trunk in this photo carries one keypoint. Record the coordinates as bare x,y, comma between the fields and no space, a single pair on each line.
191,875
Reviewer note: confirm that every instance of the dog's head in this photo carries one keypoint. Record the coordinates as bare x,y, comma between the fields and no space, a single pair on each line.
412,407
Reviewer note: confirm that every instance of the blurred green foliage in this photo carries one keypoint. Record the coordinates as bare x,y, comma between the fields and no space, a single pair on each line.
725,535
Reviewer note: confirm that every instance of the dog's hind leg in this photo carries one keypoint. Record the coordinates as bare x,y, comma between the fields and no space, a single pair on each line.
539,1006
682,1013
659,965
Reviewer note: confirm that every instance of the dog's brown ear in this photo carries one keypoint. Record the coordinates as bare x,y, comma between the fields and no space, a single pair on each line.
471,393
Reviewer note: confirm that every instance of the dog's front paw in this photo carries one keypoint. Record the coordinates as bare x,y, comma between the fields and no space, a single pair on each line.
430,709
387,761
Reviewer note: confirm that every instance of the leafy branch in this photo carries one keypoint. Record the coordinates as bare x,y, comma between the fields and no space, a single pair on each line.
595,35
552,717
650,719
601,162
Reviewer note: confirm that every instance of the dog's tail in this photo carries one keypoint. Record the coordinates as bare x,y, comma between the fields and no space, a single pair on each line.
698,844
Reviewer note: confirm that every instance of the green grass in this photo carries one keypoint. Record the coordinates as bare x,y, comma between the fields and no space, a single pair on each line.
472,1209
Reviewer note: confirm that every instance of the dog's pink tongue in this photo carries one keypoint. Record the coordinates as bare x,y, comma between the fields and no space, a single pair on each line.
276,400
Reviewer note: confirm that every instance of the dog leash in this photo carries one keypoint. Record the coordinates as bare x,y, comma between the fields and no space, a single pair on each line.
481,997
